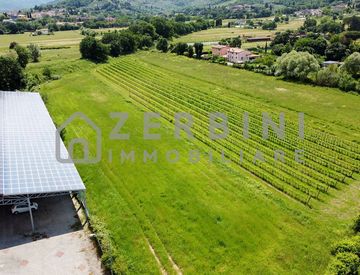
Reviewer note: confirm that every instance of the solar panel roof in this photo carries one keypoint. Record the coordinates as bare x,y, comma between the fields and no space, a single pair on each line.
28,163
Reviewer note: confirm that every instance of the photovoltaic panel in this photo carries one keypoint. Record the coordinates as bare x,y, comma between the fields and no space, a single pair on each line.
28,149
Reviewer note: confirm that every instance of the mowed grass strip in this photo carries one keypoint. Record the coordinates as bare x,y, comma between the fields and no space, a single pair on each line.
58,39
216,34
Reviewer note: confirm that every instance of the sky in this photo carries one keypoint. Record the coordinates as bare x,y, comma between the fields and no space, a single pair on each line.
19,4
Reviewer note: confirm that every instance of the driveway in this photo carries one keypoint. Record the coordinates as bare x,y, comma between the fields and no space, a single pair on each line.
64,249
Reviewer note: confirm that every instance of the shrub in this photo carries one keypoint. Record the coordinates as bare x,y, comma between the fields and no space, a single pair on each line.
352,64
351,245
267,60
32,81
347,83
34,52
180,48
22,55
344,263
297,65
356,226
12,45
47,73
328,77
55,77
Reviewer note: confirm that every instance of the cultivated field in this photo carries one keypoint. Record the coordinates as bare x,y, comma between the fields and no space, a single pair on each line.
58,39
213,216
214,35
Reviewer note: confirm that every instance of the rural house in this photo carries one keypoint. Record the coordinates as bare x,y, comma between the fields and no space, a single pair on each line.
237,55
220,50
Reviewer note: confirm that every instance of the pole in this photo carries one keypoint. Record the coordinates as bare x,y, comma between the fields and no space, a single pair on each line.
31,216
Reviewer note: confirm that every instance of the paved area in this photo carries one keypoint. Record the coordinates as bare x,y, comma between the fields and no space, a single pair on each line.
66,248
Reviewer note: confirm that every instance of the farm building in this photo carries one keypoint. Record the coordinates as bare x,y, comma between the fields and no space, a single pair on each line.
29,148
258,39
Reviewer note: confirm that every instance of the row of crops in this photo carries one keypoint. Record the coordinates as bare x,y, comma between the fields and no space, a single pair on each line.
327,163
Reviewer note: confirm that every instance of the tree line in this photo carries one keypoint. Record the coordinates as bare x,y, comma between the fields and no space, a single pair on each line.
142,34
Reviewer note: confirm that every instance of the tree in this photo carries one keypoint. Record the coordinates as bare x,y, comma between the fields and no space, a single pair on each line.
143,28
266,48
180,48
352,64
329,26
310,25
235,42
284,38
218,22
22,56
191,52
353,23
123,42
34,52
94,50
313,46
280,49
198,49
162,45
180,18
269,25
336,51
12,75
297,65
162,26
144,41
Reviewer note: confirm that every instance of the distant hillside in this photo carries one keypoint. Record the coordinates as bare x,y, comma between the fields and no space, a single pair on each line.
156,6
137,5
6,5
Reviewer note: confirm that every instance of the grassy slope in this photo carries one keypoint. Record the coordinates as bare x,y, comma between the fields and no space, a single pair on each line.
208,217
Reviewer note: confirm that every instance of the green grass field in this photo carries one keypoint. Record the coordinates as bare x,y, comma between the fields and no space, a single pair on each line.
208,217
214,35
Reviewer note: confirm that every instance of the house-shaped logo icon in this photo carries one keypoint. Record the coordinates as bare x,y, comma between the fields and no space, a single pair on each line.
78,141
